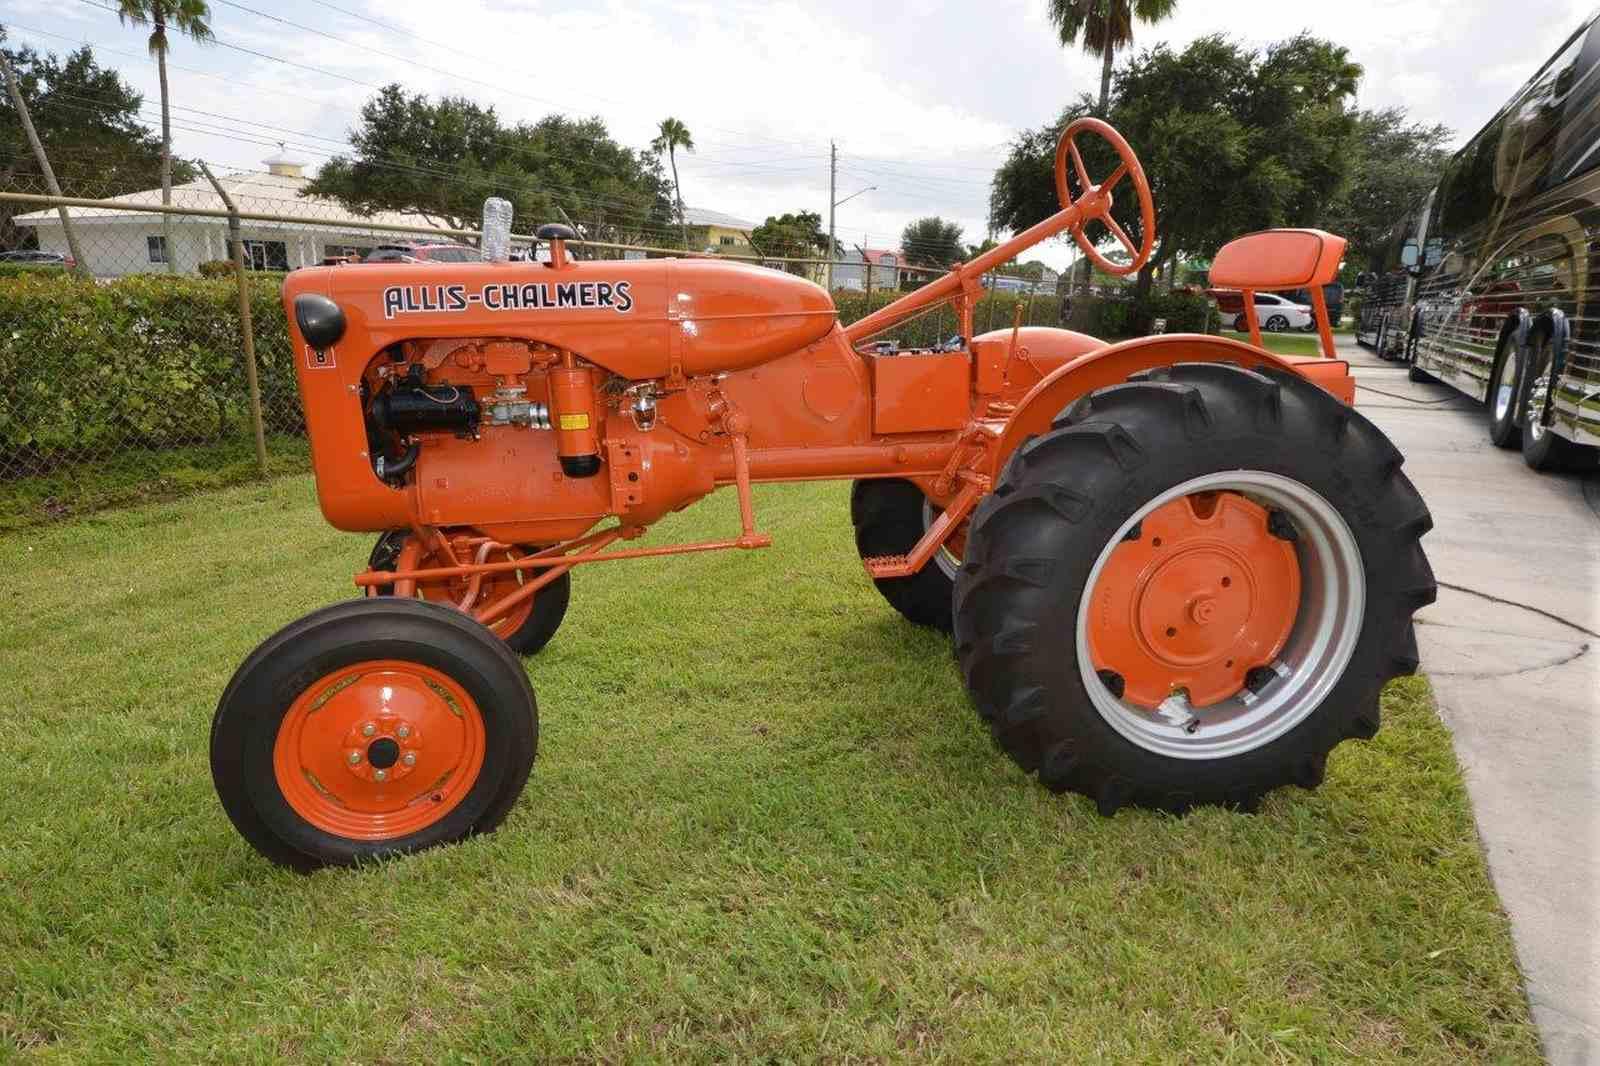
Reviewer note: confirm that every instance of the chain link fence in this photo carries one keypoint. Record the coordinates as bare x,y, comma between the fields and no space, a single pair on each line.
128,335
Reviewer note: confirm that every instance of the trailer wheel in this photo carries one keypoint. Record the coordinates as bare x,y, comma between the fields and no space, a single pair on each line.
1503,385
526,629
1542,449
1191,589
890,515
371,728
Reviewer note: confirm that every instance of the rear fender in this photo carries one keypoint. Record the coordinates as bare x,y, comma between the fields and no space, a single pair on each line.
1115,363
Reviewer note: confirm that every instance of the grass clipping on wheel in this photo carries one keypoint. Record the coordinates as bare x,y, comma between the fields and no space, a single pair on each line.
765,821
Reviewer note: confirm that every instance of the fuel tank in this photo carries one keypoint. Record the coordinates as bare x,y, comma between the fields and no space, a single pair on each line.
639,319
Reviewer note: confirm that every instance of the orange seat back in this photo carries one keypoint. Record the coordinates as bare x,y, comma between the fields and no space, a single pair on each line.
1278,259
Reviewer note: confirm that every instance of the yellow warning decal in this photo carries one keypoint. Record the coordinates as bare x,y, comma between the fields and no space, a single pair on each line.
575,421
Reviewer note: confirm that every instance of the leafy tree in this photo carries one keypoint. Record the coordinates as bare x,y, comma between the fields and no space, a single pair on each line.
1394,162
670,136
798,235
189,18
87,121
1104,27
441,159
932,242
1232,140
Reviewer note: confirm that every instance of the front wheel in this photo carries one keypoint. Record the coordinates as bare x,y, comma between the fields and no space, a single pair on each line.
1192,588
890,515
370,728
526,628
1276,324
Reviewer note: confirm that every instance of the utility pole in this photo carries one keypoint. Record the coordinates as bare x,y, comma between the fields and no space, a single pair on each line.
80,264
833,190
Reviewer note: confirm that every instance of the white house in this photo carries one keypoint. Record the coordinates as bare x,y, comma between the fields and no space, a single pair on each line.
117,242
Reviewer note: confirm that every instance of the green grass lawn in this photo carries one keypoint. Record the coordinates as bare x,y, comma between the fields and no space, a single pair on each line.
765,825
1283,343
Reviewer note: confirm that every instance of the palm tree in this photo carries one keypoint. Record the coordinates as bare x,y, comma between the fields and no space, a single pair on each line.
188,17
1104,27
671,136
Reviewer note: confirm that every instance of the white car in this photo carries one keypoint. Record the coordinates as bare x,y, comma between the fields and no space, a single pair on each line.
1275,315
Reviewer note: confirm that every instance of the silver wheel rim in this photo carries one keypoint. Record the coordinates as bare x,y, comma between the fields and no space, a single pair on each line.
1276,323
1503,388
1536,395
948,564
1319,647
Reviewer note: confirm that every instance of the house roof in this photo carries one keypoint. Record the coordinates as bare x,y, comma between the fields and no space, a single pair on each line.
253,192
875,256
700,216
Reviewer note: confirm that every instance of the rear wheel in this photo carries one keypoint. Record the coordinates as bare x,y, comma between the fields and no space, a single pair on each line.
1192,588
1542,448
1276,324
890,515
370,728
526,629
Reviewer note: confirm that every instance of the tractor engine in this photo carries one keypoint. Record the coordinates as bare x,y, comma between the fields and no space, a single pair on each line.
530,444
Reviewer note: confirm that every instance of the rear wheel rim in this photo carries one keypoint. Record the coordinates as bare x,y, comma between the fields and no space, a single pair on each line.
1300,661
379,750
1536,396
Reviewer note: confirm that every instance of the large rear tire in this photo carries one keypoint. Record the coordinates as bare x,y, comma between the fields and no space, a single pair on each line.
371,728
1238,537
890,515
1542,449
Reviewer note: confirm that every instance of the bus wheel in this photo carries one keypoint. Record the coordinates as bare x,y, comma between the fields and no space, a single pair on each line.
1542,448
1502,405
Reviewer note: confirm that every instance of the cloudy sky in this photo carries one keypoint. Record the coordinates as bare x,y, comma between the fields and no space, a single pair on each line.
921,96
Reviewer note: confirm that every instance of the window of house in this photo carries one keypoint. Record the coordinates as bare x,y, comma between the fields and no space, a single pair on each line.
347,249
725,241
156,247
266,255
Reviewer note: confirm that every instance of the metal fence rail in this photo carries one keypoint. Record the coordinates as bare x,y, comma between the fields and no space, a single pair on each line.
160,363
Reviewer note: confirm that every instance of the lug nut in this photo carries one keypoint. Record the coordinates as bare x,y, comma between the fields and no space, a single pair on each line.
368,729
403,732
380,775
409,758
355,758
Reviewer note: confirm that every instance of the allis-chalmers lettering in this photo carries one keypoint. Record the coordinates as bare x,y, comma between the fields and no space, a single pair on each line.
532,296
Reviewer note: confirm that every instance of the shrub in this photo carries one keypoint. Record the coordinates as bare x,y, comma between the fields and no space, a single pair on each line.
216,268
143,361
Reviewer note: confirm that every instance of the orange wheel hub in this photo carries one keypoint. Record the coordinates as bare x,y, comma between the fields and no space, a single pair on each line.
1204,594
378,750
458,592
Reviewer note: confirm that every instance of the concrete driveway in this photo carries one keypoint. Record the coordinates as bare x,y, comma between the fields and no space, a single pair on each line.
1513,650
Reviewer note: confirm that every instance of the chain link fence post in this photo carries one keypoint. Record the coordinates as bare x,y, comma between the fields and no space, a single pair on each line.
247,331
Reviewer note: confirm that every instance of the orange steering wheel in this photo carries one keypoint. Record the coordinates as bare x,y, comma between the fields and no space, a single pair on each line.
1095,202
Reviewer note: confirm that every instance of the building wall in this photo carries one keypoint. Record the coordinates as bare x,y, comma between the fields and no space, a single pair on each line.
115,249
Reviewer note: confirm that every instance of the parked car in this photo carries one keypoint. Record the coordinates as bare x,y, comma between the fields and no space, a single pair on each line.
31,257
1275,314
423,252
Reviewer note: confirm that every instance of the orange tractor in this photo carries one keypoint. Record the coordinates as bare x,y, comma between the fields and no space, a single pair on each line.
1178,569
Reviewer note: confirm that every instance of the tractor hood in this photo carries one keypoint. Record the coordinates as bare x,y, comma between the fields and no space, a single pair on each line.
637,318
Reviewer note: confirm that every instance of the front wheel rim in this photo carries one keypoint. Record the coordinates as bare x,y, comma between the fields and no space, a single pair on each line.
1504,388
1284,690
379,750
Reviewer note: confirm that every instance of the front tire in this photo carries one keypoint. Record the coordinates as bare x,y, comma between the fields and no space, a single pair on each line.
370,728
525,629
1083,662
890,515
1504,382
1276,324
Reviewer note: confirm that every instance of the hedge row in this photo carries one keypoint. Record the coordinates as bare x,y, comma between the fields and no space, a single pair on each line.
145,361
